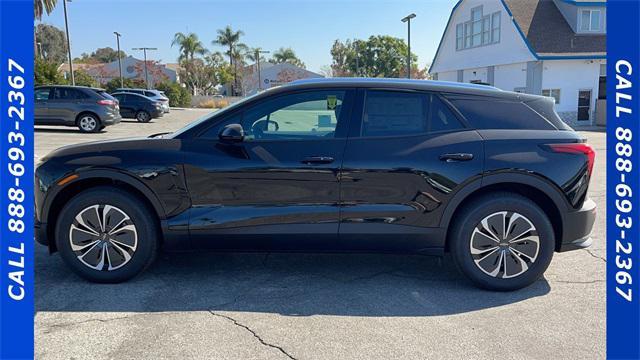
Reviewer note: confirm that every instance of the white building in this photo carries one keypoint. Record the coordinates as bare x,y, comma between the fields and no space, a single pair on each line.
272,75
548,47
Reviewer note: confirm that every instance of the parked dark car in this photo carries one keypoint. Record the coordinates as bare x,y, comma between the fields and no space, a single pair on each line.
138,107
90,109
152,94
493,177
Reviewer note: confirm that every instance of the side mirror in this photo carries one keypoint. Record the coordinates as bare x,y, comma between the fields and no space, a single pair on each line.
232,133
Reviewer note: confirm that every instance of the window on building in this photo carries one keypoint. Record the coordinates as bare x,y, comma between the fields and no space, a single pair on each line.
479,30
554,93
590,20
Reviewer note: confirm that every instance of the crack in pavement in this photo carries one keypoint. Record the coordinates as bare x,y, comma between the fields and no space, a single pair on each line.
590,252
235,322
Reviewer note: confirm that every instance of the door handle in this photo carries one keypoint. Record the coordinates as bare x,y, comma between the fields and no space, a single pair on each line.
456,157
317,160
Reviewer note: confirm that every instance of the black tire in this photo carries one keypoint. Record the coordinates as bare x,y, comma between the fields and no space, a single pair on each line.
467,234
142,237
88,123
143,116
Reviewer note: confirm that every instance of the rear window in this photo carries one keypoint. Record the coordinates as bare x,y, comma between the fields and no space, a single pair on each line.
105,95
546,108
492,113
68,94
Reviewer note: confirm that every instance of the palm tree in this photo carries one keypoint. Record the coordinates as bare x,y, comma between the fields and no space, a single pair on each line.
286,55
40,6
254,54
229,37
189,45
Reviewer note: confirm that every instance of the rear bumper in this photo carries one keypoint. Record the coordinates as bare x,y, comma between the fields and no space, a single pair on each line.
111,120
577,227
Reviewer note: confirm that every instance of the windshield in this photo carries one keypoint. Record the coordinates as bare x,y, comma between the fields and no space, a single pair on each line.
208,116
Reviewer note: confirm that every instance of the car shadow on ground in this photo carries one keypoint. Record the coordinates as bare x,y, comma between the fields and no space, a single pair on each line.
288,284
61,129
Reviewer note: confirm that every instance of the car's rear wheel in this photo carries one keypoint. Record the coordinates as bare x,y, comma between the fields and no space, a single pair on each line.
106,235
89,123
143,116
502,242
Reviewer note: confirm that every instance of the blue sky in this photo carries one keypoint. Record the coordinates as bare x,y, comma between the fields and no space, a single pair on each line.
307,26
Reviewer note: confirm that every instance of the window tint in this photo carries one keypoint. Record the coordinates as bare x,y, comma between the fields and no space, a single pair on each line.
492,113
68,94
304,115
545,108
149,94
42,94
388,113
441,118
120,97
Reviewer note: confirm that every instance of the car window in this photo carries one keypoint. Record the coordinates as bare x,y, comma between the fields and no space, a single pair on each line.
492,113
441,118
68,94
42,94
121,97
388,113
304,115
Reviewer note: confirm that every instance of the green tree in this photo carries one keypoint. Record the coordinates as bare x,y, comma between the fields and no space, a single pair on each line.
286,55
46,73
178,95
40,6
84,79
378,56
229,38
254,54
189,45
52,42
101,55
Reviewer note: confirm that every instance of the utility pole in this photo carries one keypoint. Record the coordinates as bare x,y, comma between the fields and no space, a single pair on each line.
66,26
146,73
257,55
119,58
407,19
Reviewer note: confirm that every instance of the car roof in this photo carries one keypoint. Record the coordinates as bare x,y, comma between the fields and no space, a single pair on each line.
71,86
125,89
130,93
409,84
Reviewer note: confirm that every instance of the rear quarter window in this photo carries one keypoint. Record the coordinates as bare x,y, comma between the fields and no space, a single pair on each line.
494,113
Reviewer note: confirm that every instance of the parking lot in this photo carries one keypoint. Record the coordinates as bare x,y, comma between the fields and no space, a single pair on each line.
308,306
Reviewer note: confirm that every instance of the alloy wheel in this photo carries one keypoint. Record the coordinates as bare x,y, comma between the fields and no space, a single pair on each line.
143,116
88,123
103,237
504,244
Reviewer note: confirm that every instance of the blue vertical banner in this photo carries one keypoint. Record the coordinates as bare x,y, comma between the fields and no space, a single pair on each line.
623,179
16,179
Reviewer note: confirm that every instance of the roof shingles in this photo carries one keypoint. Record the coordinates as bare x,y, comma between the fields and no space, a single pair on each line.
548,32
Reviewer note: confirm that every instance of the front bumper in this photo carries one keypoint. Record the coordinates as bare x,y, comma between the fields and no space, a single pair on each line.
40,232
577,227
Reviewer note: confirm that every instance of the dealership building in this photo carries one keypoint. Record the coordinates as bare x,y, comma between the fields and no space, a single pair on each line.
554,48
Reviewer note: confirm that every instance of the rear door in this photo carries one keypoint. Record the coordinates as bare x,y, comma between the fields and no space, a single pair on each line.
65,105
406,156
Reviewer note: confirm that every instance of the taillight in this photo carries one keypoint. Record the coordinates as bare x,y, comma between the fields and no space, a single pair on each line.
106,102
577,148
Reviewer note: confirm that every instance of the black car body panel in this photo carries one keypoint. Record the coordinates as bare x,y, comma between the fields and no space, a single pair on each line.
343,192
131,104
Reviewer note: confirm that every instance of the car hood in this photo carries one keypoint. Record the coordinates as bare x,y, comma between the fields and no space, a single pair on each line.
126,144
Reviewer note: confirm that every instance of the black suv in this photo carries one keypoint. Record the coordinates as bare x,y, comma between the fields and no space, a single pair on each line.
138,107
90,109
493,177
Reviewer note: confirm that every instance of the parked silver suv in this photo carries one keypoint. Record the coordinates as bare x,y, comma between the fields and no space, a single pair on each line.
90,109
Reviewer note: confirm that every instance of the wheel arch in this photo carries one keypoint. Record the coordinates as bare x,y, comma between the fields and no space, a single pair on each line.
92,179
84,112
537,189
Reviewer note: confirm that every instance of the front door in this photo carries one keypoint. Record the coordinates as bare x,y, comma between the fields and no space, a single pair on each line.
402,164
282,179
584,105
41,110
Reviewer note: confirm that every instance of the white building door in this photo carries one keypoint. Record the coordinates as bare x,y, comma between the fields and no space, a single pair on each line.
584,105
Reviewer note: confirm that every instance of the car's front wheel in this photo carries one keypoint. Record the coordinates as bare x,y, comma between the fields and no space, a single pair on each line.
106,235
143,116
89,123
502,242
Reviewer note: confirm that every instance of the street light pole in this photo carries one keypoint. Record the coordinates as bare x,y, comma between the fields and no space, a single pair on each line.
257,55
407,19
146,73
66,26
119,58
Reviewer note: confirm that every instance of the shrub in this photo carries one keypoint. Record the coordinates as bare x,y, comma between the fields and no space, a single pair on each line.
114,83
178,95
213,104
46,73
83,78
